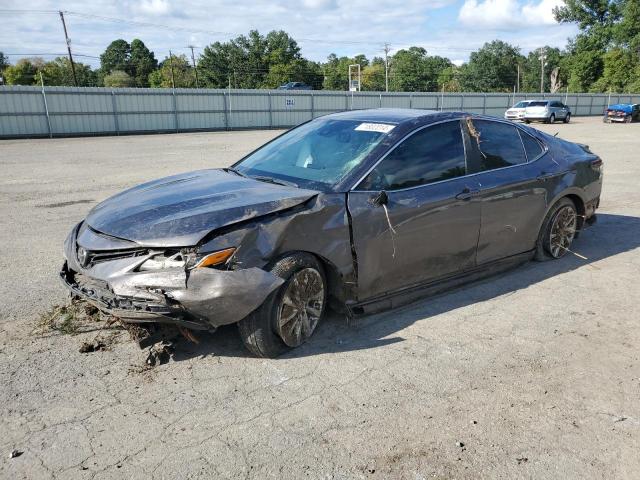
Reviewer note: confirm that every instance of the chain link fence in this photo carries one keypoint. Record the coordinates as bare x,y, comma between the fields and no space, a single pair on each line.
68,111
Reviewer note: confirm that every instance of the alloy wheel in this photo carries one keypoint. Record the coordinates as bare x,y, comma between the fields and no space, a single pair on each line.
563,231
301,307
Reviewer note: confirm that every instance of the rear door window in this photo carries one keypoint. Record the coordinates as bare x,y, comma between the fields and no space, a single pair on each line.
497,145
430,155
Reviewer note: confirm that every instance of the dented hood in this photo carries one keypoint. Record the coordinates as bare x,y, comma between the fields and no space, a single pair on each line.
180,210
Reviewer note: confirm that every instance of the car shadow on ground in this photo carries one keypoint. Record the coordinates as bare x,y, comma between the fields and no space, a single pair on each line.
613,234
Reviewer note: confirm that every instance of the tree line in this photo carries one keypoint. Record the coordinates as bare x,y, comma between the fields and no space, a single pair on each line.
604,56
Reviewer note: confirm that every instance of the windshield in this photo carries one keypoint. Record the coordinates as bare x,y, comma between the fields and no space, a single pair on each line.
521,105
538,104
316,154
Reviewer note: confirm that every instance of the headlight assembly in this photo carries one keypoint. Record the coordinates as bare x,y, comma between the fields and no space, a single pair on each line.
186,260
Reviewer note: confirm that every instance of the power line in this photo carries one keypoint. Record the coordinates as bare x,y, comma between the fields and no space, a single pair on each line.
47,55
176,28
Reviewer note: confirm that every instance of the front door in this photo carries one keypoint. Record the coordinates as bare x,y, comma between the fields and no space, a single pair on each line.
415,217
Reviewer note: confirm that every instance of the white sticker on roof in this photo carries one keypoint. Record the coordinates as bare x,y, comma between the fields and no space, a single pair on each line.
375,127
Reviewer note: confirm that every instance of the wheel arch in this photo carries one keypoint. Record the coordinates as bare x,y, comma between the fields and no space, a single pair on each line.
575,195
336,285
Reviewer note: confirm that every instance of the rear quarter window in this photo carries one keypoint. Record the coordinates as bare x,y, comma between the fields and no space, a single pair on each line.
532,147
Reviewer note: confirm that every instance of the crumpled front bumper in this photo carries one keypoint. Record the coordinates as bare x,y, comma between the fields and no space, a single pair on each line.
206,298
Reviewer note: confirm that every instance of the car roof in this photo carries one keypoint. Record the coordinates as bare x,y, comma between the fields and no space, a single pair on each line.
394,116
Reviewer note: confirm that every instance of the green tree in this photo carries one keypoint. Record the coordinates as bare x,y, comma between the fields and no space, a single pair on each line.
336,71
142,62
116,57
299,70
493,68
179,67
412,70
58,72
585,68
253,61
118,79
531,66
617,75
281,49
24,72
4,62
449,79
627,32
595,18
373,77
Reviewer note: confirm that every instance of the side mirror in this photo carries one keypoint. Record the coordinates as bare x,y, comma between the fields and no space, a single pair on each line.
379,199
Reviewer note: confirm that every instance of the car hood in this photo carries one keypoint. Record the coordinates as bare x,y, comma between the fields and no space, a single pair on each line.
180,210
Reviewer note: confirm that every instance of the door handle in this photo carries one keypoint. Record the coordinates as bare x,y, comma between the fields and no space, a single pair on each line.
467,193
546,176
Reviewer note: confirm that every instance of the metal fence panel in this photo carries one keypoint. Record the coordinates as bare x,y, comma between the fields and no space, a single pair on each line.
57,111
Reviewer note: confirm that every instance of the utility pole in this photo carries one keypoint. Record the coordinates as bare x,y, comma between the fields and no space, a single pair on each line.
386,67
543,57
66,36
173,82
195,68
518,82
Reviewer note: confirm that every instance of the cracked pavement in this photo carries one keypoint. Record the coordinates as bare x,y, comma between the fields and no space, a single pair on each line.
536,372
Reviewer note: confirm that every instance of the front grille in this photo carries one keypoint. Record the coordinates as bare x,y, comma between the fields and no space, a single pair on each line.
94,257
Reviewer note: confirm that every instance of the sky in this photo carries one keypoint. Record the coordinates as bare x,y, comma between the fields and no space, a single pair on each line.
450,28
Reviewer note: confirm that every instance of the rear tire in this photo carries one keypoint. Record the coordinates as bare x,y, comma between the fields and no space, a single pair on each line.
552,118
558,231
289,316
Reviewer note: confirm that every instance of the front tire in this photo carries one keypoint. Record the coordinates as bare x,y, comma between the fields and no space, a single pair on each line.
567,119
558,231
289,316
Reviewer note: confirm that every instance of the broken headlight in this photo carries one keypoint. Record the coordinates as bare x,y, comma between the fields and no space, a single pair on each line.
186,260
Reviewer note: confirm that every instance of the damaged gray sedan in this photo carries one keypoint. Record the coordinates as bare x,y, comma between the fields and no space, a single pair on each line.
361,211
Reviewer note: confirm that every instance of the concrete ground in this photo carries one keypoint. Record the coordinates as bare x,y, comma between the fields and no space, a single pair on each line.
532,374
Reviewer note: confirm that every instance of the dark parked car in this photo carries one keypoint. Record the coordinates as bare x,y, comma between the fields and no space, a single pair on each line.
361,210
622,112
295,86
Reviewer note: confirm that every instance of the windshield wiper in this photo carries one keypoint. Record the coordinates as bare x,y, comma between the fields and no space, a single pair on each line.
237,172
263,178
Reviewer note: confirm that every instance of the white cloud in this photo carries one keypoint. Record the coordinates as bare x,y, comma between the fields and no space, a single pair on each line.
345,27
507,14
320,4
489,13
542,11
154,7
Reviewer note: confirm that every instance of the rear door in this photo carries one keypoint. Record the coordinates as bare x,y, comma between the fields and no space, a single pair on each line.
425,222
561,110
512,187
